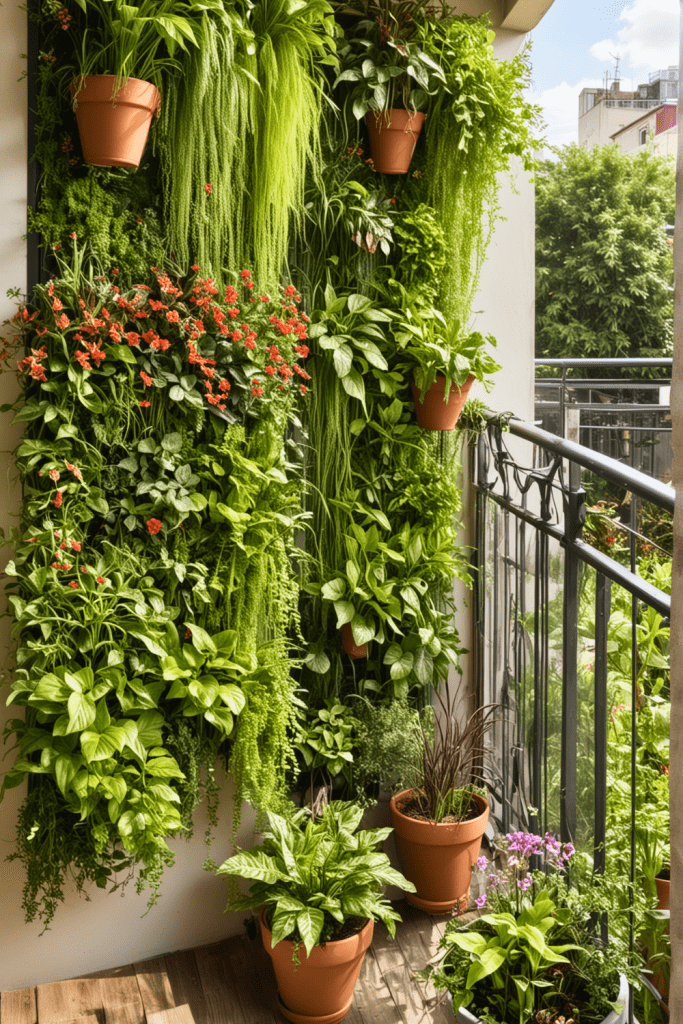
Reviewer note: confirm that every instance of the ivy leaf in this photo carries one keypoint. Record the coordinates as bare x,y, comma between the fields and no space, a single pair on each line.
201,640
317,661
82,711
66,767
97,746
176,394
233,696
401,661
354,386
345,612
172,442
164,768
343,360
363,633
334,590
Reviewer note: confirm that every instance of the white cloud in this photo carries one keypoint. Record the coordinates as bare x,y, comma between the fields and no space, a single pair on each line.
648,40
561,110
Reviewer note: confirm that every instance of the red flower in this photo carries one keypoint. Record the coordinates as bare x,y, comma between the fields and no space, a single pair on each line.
208,189
303,388
146,379
54,474
223,385
154,525
257,392
56,305
62,321
74,584
249,343
101,579
58,499
173,316
115,271
195,266
245,274
133,338
270,370
84,569
33,540
145,404
290,290
76,545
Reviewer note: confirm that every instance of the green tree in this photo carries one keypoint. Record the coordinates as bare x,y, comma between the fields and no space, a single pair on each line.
603,261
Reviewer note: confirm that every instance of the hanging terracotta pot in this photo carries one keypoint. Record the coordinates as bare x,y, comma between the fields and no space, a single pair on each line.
114,125
438,859
349,645
320,989
393,137
435,414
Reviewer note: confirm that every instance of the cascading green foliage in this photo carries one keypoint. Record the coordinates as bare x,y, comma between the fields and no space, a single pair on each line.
235,188
211,108
474,127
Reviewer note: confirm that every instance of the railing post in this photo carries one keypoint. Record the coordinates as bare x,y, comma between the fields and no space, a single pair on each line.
603,599
574,518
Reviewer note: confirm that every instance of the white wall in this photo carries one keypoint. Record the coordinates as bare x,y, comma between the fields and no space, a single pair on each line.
110,930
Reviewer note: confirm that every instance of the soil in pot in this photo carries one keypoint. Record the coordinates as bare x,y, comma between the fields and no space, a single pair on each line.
349,645
319,990
393,137
438,859
114,124
433,413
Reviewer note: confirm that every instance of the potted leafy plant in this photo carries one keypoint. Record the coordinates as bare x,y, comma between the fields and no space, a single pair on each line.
440,815
536,956
115,92
393,78
445,361
318,884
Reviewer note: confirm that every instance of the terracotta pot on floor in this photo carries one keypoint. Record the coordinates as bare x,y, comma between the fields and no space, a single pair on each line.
435,414
438,859
113,126
320,990
349,645
393,137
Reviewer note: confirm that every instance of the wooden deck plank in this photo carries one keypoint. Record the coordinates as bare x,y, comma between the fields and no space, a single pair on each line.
61,1001
90,1018
258,990
186,984
417,939
121,997
155,988
19,1006
220,983
398,975
372,1002
174,1015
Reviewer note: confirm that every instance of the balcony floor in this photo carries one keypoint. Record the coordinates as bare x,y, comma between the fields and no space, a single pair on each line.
232,982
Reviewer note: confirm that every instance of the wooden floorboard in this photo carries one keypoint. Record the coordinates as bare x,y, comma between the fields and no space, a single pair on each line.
154,986
232,982
19,1006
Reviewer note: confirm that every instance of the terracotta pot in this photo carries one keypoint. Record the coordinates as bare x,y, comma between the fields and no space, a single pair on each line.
320,989
616,1017
114,126
663,893
438,859
393,136
349,645
435,414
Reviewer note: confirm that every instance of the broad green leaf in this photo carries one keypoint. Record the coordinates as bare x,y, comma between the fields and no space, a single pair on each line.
334,590
82,711
310,924
201,639
345,612
489,962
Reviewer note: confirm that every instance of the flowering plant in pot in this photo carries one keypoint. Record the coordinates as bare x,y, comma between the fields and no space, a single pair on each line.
393,79
441,815
536,956
124,51
317,884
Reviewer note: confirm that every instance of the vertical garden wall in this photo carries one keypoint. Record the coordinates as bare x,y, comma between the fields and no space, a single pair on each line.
220,465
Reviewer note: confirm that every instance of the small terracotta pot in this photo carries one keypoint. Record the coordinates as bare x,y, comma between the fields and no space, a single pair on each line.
349,645
393,137
438,859
433,413
320,989
114,126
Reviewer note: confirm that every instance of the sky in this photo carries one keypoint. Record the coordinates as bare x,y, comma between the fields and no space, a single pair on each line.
574,45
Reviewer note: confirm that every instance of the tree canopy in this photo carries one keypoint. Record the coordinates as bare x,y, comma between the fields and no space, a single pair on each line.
604,267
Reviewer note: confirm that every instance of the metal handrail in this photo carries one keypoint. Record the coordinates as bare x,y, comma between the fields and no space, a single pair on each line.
569,364
624,476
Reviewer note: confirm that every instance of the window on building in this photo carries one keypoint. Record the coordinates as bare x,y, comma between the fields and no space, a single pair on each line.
642,137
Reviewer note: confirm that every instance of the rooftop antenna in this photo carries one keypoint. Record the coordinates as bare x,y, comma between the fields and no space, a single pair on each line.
616,60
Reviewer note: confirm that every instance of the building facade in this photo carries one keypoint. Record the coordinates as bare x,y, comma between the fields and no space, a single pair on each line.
607,111
658,128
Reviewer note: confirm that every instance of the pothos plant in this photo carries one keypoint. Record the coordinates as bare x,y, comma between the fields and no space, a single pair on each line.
156,482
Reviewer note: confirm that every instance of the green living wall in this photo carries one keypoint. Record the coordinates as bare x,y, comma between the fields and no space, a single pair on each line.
221,466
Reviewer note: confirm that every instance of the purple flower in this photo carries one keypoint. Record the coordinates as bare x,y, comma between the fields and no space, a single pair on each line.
494,880
481,901
482,863
567,851
524,883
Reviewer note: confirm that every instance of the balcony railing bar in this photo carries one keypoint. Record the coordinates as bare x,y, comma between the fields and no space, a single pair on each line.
614,407
610,469
577,364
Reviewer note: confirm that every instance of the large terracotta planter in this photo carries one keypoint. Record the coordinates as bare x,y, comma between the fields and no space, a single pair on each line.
114,126
393,137
433,413
616,1017
320,989
438,859
349,645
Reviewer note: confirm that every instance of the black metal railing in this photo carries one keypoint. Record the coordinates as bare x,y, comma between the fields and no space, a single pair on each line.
627,418
538,585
